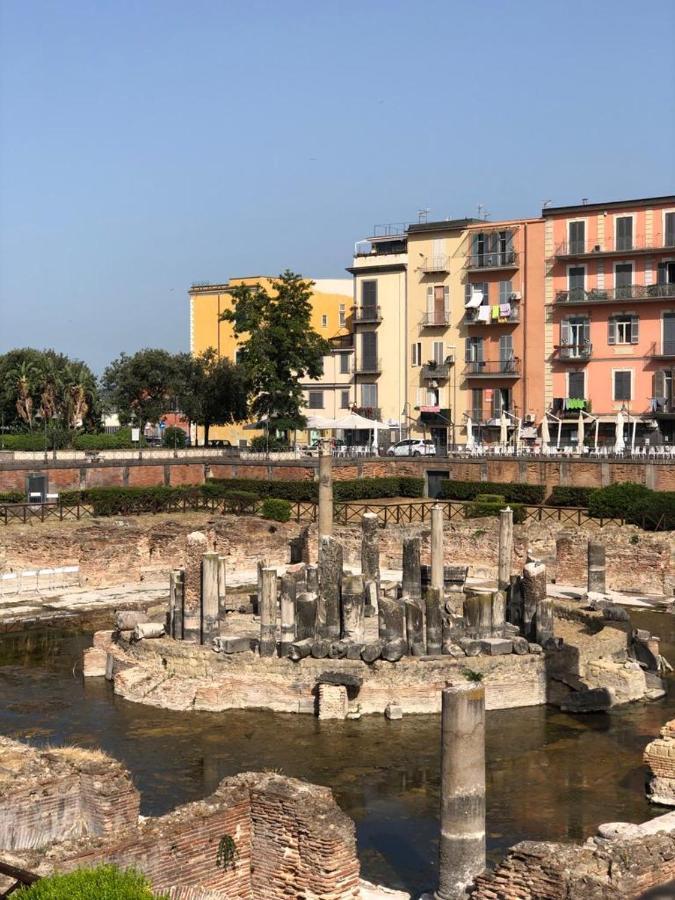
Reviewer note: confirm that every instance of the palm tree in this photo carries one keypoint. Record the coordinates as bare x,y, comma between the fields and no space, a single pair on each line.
78,394
51,389
21,381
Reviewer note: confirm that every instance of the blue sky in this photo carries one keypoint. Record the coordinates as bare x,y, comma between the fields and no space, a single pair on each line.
145,145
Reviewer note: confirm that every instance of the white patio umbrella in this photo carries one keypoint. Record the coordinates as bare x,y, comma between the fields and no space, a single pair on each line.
580,431
503,429
469,432
619,443
545,434
354,421
597,428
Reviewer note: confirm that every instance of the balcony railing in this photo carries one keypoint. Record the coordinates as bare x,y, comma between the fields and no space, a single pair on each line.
662,350
471,316
634,244
493,368
435,264
576,352
368,314
661,406
369,366
368,412
438,371
504,259
617,294
342,342
390,229
435,320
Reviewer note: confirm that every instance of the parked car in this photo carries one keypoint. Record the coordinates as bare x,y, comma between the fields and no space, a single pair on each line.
412,447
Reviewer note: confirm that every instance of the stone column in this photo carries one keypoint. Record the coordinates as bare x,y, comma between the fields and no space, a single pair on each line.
477,610
498,613
268,613
312,579
437,570
534,591
352,608
176,604
195,547
222,592
412,574
305,616
330,585
414,625
325,493
544,620
390,619
514,611
370,559
209,615
596,567
505,548
288,589
434,608
462,844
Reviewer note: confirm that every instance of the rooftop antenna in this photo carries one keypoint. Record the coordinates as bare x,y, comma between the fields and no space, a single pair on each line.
423,216
482,211
584,200
546,204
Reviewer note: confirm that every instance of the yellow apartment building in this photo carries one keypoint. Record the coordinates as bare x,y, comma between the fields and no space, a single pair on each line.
331,311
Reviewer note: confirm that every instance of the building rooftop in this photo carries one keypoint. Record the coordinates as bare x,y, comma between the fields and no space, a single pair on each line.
612,204
444,225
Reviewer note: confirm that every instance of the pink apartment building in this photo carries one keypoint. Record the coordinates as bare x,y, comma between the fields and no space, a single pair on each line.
610,324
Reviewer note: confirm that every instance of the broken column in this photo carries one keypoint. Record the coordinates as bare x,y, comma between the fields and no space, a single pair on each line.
462,844
390,619
434,620
352,608
437,570
596,567
370,559
268,612
505,548
305,616
544,620
477,612
287,602
325,493
414,624
176,588
222,593
412,573
534,591
330,583
312,579
209,606
195,547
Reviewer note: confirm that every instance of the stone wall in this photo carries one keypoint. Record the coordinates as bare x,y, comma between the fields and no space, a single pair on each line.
659,757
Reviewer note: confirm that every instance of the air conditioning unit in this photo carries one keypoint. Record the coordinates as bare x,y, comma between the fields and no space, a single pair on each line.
515,295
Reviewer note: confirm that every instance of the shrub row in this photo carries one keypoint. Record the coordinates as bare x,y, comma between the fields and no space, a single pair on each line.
562,495
356,489
515,492
636,504
12,497
490,505
60,440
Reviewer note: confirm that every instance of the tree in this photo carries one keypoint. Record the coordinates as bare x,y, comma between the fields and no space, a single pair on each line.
142,387
280,348
215,391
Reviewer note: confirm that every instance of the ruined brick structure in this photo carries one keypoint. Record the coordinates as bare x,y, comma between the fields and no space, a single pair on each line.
659,757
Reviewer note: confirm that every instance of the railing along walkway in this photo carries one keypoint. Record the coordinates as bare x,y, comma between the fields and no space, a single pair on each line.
21,877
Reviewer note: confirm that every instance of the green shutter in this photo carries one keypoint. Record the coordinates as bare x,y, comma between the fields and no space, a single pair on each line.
635,330
611,335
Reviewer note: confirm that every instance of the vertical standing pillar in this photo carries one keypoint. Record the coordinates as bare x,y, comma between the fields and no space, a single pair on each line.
414,626
325,493
268,613
305,616
477,610
370,560
171,619
390,614
534,592
505,548
412,572
437,547
209,606
179,589
352,608
330,586
596,567
462,844
288,616
195,547
222,592
544,620
434,621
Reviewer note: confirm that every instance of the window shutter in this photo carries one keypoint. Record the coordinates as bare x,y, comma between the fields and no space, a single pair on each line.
587,331
430,299
369,294
446,301
659,385
467,292
662,273
635,330
467,350
670,229
565,332
611,336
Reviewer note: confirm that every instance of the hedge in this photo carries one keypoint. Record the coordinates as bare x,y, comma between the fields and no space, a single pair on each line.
515,492
655,511
562,495
491,505
102,883
35,440
353,489
12,497
279,510
113,501
616,500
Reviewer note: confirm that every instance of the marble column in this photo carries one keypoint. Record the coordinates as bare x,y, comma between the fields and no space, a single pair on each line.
287,603
505,548
412,574
370,559
195,547
534,592
596,567
434,609
352,608
268,613
325,493
209,605
330,586
437,547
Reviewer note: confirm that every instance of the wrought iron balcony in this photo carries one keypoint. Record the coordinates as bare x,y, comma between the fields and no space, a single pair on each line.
577,296
369,366
367,314
610,246
435,372
342,342
471,316
662,350
575,352
504,259
493,368
435,320
435,264
662,406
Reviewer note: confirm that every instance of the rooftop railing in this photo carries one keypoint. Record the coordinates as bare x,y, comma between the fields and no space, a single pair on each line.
439,370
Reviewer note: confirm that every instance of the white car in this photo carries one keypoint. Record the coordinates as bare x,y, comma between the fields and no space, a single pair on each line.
412,447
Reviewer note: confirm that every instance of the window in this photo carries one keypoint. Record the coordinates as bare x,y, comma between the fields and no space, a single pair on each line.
439,352
316,399
438,304
239,356
623,329
431,397
369,295
473,288
669,229
492,248
477,404
416,354
622,384
344,363
577,237
505,347
473,351
505,291
576,385
575,336
369,351
344,399
624,232
576,282
501,401
623,280
342,315
324,321
369,396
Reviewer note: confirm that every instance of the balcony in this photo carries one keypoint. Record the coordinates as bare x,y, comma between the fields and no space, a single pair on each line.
367,314
610,247
368,412
574,352
494,368
342,342
435,320
663,350
578,297
432,264
435,372
662,406
473,316
369,366
499,259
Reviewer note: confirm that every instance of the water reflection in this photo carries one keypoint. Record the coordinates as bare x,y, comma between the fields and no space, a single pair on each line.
550,775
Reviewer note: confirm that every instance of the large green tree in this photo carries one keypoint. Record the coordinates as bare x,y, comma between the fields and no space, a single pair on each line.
215,391
142,387
279,347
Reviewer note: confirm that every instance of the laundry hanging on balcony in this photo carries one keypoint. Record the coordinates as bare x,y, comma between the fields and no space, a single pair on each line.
483,314
475,300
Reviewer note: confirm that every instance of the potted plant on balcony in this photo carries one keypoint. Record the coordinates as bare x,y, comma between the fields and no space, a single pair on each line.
432,364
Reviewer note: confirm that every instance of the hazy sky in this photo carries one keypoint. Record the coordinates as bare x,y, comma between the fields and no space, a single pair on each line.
145,145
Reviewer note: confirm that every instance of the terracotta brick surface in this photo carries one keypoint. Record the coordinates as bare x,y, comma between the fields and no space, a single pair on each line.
146,476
